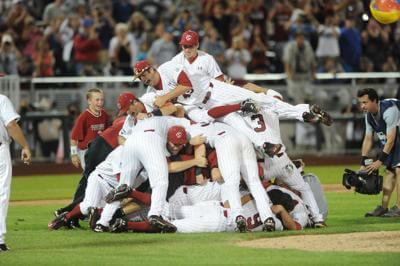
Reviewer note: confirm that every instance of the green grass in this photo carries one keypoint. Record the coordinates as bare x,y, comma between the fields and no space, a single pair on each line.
33,244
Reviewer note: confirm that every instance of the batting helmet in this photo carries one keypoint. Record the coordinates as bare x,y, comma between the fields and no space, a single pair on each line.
124,100
177,135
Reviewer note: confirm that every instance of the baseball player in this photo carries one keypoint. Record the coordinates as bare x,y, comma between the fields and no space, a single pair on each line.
98,150
88,125
266,124
8,129
170,81
200,63
100,182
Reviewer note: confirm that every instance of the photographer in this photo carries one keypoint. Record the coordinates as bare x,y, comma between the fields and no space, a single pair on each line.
382,117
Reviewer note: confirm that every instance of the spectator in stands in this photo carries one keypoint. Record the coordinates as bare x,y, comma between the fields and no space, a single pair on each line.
16,16
163,48
185,21
237,57
48,130
350,46
213,45
68,30
104,24
8,56
52,34
300,66
54,10
139,26
375,39
43,59
87,46
122,10
25,67
258,49
122,51
31,34
328,40
305,22
221,22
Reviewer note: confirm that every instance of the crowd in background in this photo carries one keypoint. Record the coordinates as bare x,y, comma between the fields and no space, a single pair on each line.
106,37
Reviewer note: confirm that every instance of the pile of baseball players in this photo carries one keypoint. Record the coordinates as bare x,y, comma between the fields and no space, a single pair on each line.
193,154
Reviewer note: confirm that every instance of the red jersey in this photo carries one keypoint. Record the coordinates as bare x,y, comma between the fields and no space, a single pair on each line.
88,126
110,135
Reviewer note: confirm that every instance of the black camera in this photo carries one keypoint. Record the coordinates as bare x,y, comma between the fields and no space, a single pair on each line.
363,182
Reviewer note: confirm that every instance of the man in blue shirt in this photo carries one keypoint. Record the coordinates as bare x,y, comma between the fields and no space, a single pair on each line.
383,118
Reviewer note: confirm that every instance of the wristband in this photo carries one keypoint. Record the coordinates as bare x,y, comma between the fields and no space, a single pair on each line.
157,112
74,150
383,156
363,158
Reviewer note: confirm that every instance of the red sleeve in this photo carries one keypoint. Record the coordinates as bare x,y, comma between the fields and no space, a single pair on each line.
212,159
221,111
78,133
85,45
184,80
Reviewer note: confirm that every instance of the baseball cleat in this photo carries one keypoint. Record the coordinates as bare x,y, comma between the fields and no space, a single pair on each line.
118,193
271,149
326,119
58,222
269,225
4,247
159,223
320,224
241,225
94,216
120,225
99,228
248,107
393,212
57,213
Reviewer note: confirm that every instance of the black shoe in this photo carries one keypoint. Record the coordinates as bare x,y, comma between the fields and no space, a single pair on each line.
94,216
378,212
269,225
118,193
74,224
4,248
271,149
58,222
99,228
159,223
58,212
326,119
120,225
241,225
248,107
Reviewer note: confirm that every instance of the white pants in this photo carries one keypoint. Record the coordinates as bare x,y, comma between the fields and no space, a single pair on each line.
97,188
81,155
283,168
5,187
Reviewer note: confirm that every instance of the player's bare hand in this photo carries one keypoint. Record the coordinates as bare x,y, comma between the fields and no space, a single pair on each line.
198,140
160,101
201,180
141,116
229,80
201,162
373,166
26,155
75,161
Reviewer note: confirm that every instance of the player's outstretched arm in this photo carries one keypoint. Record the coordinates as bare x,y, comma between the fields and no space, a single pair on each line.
178,91
287,220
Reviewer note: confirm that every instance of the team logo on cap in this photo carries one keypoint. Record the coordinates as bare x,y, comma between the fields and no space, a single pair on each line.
188,37
179,135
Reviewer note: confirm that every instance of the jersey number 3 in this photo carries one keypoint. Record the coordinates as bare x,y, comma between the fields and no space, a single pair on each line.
260,121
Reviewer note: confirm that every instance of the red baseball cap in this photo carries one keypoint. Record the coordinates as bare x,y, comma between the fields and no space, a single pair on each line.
124,100
177,135
140,67
189,37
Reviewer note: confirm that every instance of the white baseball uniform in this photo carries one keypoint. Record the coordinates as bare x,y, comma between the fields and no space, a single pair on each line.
300,213
207,92
146,148
7,115
103,179
266,123
236,156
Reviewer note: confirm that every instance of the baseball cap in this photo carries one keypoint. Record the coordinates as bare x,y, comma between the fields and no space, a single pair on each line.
6,39
177,135
189,37
87,23
124,100
140,67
